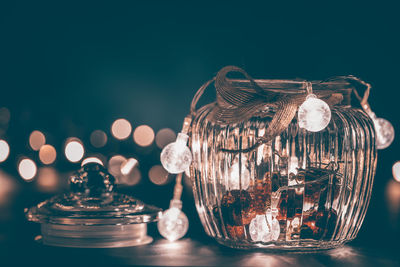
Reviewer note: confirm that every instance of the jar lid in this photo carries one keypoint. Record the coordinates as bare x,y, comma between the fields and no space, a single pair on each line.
91,214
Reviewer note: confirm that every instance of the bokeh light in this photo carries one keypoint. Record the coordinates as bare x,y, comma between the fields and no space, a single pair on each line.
27,169
128,166
48,179
47,154
4,150
74,149
4,116
8,187
393,198
37,140
164,137
114,164
132,178
92,160
98,138
396,171
121,129
143,135
158,175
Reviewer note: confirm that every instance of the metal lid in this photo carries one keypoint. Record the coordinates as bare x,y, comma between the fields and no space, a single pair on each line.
92,206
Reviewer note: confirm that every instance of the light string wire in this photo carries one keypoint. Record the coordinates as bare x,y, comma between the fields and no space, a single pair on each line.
364,99
178,187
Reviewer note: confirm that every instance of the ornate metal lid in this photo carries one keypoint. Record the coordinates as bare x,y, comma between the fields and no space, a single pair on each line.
91,206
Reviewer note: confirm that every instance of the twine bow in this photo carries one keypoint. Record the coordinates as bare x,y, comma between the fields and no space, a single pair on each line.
239,100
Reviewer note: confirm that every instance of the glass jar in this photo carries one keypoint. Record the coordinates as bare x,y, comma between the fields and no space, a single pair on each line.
300,191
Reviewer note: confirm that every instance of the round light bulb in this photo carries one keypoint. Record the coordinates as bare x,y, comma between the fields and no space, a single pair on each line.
384,133
237,181
264,228
177,157
296,222
173,223
314,114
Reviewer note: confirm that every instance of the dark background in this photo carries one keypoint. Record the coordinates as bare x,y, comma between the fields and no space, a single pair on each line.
68,68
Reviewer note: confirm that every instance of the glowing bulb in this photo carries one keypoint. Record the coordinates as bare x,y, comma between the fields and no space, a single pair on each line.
115,163
396,171
314,114
384,133
293,165
264,228
47,179
177,157
92,160
173,223
27,169
98,138
143,135
4,150
164,137
237,181
47,154
158,175
121,129
74,150
132,178
296,222
128,166
37,140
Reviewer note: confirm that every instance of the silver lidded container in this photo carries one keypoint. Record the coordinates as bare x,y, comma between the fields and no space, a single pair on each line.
92,215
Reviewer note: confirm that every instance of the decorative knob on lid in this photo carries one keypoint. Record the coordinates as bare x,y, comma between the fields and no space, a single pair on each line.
92,181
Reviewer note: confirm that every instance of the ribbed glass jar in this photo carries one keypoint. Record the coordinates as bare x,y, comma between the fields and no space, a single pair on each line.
301,191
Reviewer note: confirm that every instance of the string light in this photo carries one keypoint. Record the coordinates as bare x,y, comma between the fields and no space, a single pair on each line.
239,179
384,130
174,223
314,114
264,228
177,157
